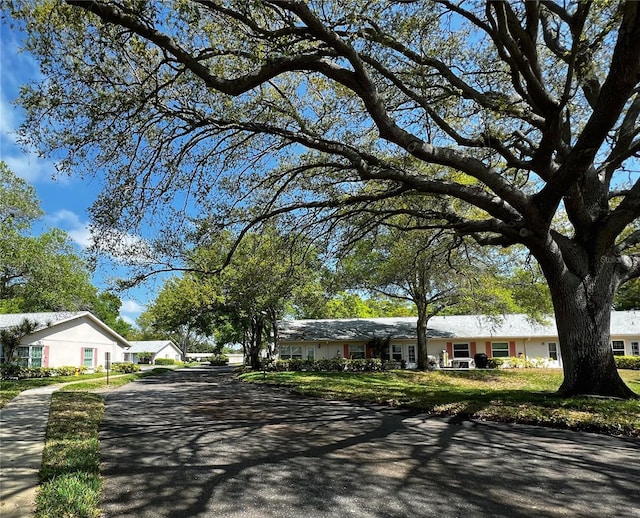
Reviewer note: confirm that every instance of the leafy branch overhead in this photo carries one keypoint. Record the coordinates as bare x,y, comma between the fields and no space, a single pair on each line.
507,122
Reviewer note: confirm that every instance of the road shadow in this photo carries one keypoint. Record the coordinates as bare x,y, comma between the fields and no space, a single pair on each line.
198,443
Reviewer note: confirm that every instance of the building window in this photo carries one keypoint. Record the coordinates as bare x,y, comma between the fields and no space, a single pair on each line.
461,351
396,353
291,352
88,358
412,353
635,348
617,346
356,352
500,349
553,351
310,353
30,356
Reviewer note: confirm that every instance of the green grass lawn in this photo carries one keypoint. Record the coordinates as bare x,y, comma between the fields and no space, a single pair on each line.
509,395
11,388
70,474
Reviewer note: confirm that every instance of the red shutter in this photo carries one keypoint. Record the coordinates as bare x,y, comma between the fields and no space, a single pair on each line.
488,346
45,356
345,348
473,349
95,358
81,356
512,348
368,351
450,349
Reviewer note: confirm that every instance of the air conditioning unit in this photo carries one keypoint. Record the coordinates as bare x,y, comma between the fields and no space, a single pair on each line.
463,363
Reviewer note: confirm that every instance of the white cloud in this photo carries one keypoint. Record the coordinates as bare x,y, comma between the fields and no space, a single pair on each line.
130,311
72,224
28,165
128,319
131,306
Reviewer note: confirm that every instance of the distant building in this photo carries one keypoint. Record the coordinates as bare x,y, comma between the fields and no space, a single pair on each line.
165,349
460,336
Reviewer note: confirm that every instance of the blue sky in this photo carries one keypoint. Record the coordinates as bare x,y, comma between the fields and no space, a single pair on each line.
64,200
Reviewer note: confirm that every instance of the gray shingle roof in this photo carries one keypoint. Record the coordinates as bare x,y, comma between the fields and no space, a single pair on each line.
458,326
42,320
49,319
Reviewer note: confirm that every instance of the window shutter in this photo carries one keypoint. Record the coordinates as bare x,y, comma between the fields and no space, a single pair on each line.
45,356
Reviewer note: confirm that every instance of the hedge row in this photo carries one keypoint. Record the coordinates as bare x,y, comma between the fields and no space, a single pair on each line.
165,361
124,367
628,362
375,364
10,371
219,360
330,365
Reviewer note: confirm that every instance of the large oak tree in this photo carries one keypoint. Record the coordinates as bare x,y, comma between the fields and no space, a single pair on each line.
526,111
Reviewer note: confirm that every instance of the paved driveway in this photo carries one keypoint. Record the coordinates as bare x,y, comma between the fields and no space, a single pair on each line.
196,443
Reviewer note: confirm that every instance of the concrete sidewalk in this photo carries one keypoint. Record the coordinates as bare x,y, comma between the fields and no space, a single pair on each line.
23,424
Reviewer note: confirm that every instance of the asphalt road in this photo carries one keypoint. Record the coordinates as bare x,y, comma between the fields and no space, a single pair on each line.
197,443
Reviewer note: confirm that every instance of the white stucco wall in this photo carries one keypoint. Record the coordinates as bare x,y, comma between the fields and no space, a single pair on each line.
170,351
537,349
65,343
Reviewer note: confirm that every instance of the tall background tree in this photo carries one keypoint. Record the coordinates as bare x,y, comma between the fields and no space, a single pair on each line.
44,272
246,110
238,302
37,272
431,269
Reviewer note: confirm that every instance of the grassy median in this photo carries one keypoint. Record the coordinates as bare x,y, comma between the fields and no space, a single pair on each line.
508,395
70,480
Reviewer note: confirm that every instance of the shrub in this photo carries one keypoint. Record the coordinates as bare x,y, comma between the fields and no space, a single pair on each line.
327,365
70,370
364,365
495,363
165,361
125,367
8,371
627,362
278,365
299,364
330,364
219,360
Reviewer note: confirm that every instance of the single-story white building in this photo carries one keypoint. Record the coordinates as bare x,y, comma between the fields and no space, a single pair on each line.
165,349
62,339
462,337
199,357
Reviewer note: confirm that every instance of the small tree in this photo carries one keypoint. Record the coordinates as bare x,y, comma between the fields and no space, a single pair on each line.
11,338
144,357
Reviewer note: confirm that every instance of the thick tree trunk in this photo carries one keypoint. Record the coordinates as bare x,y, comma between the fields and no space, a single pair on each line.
255,343
421,329
583,315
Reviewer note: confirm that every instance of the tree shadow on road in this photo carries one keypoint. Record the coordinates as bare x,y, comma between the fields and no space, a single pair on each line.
199,444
